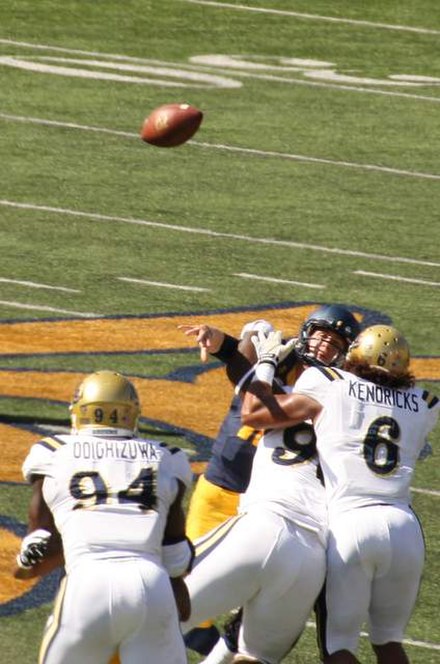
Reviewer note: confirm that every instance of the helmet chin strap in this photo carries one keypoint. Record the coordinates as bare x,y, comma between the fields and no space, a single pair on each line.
313,361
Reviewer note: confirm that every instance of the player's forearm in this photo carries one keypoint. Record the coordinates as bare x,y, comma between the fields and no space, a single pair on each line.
182,598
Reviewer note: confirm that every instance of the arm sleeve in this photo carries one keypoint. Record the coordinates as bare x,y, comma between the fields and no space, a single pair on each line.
38,461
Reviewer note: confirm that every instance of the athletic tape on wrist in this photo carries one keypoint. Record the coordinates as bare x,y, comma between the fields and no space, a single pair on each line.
265,372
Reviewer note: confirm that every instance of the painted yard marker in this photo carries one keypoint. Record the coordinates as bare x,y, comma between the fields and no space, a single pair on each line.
161,284
41,307
394,277
32,284
257,277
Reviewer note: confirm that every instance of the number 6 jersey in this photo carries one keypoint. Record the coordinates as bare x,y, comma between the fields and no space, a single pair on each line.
368,436
109,496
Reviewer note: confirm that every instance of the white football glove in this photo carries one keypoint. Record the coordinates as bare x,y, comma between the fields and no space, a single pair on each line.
33,548
270,348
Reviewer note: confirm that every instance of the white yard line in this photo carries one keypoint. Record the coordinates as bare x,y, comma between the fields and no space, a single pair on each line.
408,642
32,284
67,125
256,277
319,160
217,234
37,307
231,148
394,277
426,492
315,17
161,284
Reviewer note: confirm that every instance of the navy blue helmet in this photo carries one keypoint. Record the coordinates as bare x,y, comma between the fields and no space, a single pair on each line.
333,317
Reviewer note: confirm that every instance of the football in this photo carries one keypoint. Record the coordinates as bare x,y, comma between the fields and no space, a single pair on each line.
171,125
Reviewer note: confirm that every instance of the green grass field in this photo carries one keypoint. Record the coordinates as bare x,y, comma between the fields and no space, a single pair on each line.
314,178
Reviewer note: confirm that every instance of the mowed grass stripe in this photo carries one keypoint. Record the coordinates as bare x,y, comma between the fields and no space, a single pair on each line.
95,216
315,17
231,148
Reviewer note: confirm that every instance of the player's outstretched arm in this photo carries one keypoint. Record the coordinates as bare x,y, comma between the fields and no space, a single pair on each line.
237,354
209,339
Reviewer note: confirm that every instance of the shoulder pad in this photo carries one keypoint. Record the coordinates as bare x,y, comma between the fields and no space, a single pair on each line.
51,443
330,373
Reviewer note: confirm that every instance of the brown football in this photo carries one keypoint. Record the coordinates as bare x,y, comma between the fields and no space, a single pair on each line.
171,125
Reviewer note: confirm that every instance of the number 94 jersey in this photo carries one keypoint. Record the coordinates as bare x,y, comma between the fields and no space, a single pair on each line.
110,496
368,436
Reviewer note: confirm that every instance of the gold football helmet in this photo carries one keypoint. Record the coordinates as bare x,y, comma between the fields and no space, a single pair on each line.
105,399
381,347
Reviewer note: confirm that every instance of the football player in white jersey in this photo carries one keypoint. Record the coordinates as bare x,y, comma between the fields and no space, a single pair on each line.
270,559
116,501
371,423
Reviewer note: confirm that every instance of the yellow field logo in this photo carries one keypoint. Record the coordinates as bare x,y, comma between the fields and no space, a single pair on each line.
191,401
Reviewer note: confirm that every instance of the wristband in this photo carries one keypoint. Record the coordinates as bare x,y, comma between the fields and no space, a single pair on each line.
243,380
227,349
265,372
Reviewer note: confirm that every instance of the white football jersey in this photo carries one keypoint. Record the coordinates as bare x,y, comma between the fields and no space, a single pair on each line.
368,436
285,478
109,496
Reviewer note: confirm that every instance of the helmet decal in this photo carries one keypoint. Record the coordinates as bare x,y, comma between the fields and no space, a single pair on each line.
381,347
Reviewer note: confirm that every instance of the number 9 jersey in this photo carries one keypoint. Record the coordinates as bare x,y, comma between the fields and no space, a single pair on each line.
109,495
